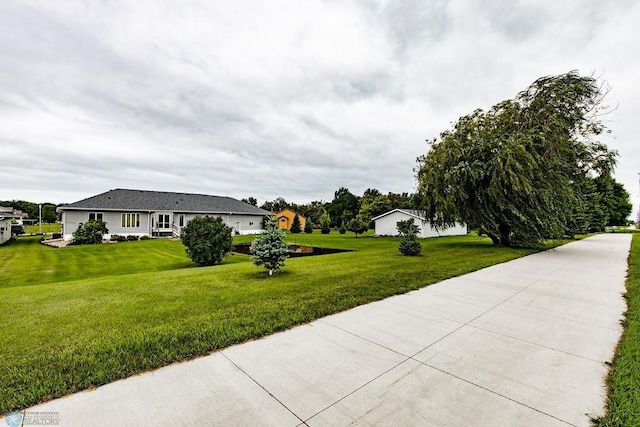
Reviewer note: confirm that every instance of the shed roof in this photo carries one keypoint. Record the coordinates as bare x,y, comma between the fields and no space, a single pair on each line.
142,200
410,212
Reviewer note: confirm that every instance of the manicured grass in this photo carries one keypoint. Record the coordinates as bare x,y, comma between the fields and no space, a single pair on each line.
46,228
26,262
77,317
623,400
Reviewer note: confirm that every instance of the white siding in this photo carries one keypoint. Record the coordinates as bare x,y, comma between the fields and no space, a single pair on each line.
5,230
71,220
243,224
387,226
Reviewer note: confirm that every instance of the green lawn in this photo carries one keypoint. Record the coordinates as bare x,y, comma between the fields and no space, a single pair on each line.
77,317
623,401
46,228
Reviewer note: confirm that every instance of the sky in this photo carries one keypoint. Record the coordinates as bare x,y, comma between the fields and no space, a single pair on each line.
281,98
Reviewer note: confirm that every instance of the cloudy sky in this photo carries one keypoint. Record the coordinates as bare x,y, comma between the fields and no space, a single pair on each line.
280,98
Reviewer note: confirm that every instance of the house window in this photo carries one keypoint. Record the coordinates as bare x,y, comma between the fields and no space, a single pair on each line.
95,216
181,221
130,220
164,221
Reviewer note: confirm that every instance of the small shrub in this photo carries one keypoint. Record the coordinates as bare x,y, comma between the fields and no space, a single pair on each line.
410,246
325,230
342,229
90,233
132,238
145,237
308,227
117,238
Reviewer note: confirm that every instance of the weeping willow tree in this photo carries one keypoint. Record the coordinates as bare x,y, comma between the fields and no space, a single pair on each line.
518,171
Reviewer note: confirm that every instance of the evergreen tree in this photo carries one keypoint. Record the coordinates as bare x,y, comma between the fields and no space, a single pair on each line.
271,247
296,227
308,227
406,227
409,245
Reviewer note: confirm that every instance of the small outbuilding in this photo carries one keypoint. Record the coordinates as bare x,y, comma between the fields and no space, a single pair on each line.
285,219
386,224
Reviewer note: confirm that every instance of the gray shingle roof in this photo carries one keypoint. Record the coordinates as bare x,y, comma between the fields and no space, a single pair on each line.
140,200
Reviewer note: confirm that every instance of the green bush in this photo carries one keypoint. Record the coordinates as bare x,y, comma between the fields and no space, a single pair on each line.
89,233
342,229
132,238
144,237
208,240
117,238
410,246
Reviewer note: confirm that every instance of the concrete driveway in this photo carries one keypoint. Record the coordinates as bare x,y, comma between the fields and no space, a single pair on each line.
522,343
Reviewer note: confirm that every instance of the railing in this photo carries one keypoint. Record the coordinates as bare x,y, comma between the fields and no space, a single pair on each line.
175,230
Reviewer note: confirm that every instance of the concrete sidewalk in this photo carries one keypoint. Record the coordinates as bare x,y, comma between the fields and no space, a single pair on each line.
517,344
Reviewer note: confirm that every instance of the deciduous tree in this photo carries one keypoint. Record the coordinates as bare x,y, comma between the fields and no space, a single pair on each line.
516,170
207,239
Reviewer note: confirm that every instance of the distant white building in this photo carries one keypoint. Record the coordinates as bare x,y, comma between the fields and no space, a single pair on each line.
5,226
386,224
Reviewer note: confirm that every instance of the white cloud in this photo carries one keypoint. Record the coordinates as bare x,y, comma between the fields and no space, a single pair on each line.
281,98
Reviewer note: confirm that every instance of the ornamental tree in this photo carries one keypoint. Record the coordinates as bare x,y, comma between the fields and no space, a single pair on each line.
207,239
271,247
325,222
517,171
359,224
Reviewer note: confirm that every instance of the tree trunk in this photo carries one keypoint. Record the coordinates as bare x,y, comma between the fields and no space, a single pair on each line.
504,231
495,239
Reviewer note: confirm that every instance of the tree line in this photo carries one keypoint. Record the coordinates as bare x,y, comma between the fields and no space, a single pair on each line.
344,208
31,209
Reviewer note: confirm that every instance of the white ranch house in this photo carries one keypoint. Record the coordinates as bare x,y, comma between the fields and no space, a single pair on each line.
158,213
386,224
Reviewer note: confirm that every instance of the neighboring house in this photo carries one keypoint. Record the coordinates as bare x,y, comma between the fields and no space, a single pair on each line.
386,224
5,226
285,219
158,213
